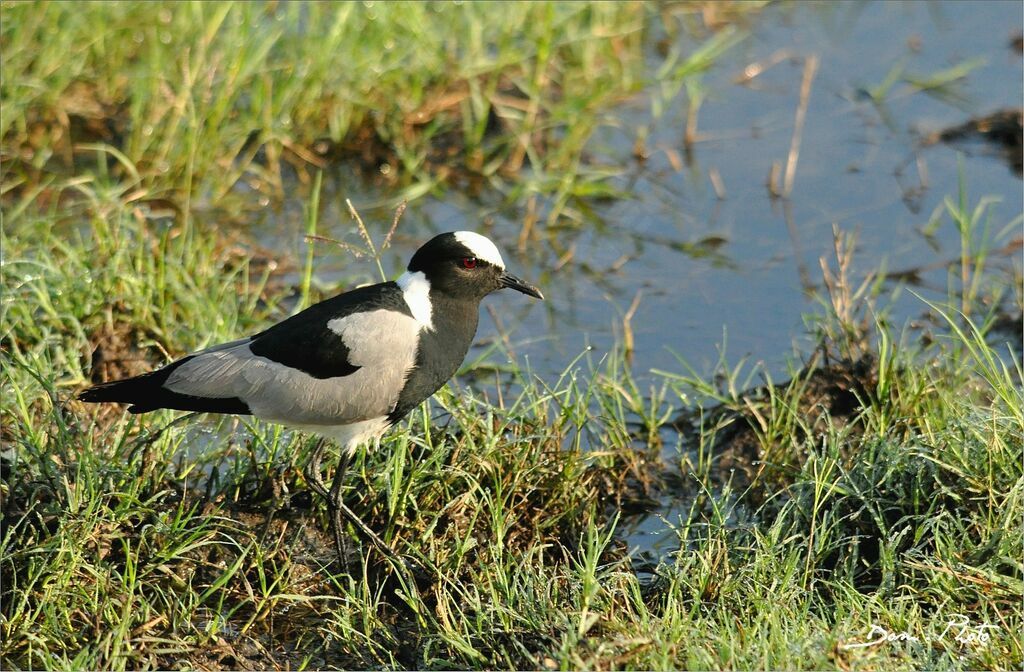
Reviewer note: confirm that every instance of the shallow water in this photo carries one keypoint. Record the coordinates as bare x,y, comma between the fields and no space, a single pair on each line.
739,266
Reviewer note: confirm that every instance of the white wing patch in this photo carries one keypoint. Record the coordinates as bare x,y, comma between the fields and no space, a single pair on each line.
416,290
382,342
481,247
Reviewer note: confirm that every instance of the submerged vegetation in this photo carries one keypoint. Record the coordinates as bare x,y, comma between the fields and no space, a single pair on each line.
881,487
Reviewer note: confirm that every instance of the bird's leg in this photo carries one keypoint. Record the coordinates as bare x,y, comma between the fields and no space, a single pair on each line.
316,482
339,509
279,490
312,470
334,505
370,534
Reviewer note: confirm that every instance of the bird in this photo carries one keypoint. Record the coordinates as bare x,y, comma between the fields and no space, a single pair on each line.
345,369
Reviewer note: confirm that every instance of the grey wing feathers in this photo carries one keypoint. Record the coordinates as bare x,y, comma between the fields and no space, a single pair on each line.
284,373
148,393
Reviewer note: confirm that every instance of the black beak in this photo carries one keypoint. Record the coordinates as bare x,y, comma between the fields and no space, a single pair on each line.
512,282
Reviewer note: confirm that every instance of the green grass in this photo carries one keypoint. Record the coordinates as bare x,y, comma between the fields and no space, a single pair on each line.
128,548
140,542
189,100
198,96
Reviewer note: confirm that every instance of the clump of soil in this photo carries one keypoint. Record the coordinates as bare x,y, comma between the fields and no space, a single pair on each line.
1003,129
832,393
117,353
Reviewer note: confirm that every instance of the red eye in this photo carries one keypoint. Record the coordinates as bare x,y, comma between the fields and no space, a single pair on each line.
469,262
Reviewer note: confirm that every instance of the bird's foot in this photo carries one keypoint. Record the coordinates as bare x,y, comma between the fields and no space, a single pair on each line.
312,470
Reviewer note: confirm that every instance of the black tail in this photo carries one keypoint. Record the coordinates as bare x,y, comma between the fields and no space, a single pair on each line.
147,393
127,391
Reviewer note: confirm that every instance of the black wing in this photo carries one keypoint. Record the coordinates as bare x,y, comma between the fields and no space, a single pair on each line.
305,341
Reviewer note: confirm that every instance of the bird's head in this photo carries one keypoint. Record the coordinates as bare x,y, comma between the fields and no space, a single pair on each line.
466,265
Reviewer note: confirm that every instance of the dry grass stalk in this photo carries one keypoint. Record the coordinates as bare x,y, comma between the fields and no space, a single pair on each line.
847,302
627,325
810,68
717,184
